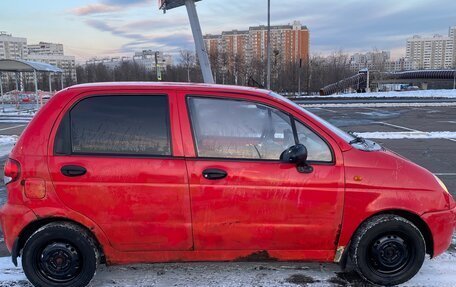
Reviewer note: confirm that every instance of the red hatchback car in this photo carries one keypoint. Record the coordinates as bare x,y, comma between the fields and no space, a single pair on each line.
121,173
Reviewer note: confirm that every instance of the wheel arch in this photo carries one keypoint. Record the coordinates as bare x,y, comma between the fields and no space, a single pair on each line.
410,216
33,226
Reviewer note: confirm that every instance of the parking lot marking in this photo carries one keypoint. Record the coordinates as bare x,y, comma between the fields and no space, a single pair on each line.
409,129
408,135
328,110
13,127
399,127
445,174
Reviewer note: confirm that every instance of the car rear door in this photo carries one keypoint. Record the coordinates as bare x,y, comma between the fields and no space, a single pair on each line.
117,159
243,197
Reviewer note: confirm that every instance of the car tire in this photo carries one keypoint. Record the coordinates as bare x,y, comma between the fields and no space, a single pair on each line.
60,254
387,250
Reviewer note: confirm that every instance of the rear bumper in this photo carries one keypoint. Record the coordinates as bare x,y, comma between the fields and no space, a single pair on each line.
442,225
13,219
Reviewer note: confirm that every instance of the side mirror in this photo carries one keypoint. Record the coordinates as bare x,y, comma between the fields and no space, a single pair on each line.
297,154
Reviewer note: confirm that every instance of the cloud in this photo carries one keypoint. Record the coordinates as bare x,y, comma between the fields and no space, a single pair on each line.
105,27
95,9
169,42
107,6
164,23
349,25
125,2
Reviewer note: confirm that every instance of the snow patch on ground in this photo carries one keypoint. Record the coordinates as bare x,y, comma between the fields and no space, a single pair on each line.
379,105
393,94
408,135
438,272
6,144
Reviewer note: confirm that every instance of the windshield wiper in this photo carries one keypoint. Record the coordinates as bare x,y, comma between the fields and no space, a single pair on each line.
357,139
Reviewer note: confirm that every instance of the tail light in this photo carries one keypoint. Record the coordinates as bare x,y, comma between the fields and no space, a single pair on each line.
12,171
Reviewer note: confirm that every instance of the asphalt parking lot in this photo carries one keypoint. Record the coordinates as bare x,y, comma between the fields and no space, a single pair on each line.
436,155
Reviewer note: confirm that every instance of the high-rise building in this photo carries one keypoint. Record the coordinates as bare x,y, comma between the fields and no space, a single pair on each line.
16,48
235,43
145,58
437,52
66,63
12,47
44,48
370,60
289,43
52,53
213,43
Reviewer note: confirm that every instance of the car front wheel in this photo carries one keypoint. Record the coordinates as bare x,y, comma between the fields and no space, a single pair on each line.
388,250
60,254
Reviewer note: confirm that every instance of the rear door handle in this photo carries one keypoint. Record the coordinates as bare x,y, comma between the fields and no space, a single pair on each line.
73,170
214,174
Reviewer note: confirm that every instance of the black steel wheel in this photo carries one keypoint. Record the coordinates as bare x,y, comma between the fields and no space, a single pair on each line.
60,254
388,250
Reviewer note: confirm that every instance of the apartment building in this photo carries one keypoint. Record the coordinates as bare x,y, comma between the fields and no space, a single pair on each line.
145,58
437,52
289,43
12,47
45,48
66,63
370,60
53,54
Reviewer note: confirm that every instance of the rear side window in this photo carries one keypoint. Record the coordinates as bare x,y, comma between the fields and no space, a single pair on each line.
117,125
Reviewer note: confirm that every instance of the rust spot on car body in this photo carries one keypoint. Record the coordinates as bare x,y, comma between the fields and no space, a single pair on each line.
259,256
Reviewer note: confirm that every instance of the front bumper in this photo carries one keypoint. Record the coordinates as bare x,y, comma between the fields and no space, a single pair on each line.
13,219
442,225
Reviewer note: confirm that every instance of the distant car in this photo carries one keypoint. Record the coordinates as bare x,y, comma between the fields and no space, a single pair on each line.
121,173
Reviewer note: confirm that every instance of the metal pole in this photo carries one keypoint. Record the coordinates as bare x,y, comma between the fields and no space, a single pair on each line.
1,90
50,83
299,77
36,89
454,79
268,84
367,82
16,76
61,80
21,77
199,42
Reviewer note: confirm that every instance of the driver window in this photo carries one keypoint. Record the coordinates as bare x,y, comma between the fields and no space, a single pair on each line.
226,128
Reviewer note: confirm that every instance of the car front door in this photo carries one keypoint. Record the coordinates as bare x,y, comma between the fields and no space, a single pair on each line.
243,197
117,159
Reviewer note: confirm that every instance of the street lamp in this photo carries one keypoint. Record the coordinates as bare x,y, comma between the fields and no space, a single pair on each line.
268,82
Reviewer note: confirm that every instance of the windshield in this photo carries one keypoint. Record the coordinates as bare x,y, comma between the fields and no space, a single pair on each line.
345,136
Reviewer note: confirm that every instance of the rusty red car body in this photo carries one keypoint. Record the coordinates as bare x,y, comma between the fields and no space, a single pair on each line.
160,209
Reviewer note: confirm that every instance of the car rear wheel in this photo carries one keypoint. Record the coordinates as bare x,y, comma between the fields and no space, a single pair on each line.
388,250
60,254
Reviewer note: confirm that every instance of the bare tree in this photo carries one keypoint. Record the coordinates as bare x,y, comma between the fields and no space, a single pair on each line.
187,60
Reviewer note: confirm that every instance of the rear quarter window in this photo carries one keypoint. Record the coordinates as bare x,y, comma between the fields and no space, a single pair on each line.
117,125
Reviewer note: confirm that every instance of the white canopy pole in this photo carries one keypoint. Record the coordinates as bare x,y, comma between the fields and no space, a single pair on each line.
36,89
1,90
50,82
16,78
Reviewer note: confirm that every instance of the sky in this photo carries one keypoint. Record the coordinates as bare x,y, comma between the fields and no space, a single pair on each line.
97,28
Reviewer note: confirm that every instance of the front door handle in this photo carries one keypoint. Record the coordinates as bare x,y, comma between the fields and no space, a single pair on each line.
73,170
214,173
